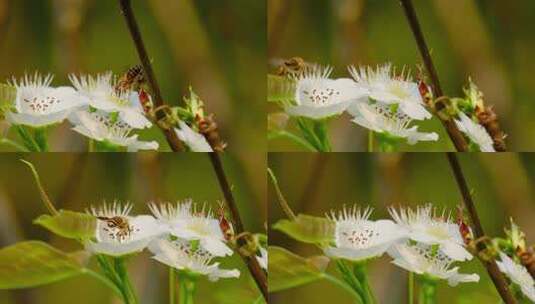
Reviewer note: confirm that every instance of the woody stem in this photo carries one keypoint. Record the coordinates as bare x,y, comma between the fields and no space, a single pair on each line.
491,266
455,135
170,135
252,264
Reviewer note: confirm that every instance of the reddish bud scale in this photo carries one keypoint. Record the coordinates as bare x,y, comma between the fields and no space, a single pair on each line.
425,92
225,225
465,232
208,128
145,100
527,258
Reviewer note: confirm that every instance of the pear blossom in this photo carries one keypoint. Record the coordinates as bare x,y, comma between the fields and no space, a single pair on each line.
475,132
382,119
263,258
357,238
384,86
185,221
424,226
426,260
194,140
518,275
101,94
184,256
117,233
317,96
37,104
102,127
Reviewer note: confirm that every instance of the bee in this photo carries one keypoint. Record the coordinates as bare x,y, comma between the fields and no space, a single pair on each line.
118,223
132,79
290,67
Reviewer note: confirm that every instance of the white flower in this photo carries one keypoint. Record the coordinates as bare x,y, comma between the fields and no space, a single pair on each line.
426,227
182,255
117,233
263,258
101,94
357,238
102,127
317,96
425,260
185,221
475,132
382,119
194,140
385,87
37,104
518,274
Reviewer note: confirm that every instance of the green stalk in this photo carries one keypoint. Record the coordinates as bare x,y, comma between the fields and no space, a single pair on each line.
315,132
296,139
120,269
13,144
362,276
110,273
107,281
187,288
411,287
370,141
427,292
172,286
41,139
350,278
27,139
344,286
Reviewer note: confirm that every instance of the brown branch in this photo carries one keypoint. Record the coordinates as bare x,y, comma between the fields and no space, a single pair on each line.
455,135
491,266
253,265
170,135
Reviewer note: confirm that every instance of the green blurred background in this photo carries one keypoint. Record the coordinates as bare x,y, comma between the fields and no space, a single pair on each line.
502,185
75,181
217,47
491,41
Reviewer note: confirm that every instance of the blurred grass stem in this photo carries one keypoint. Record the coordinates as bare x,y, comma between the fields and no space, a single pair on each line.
491,266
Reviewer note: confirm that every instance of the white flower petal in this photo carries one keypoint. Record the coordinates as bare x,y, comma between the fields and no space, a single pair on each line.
195,141
475,132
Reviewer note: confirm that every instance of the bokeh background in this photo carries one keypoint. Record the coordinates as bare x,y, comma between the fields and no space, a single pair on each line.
217,47
76,181
490,41
330,181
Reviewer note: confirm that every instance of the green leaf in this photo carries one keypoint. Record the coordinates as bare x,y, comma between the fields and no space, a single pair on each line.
308,229
34,263
280,89
288,270
69,224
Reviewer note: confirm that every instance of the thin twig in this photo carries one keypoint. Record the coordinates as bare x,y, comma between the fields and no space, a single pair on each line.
456,136
44,196
170,135
495,274
253,265
282,200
